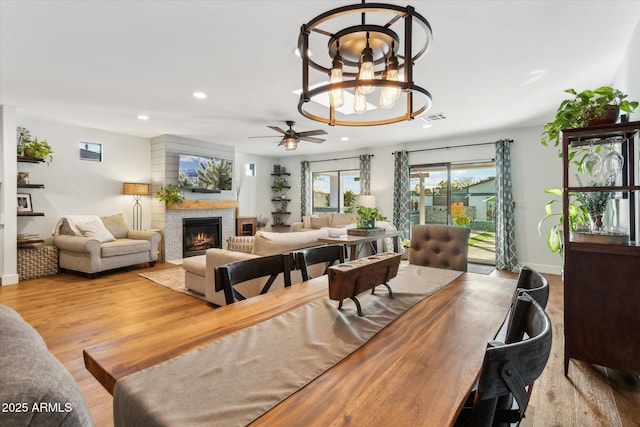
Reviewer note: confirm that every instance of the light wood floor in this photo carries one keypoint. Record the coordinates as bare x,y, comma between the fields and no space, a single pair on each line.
72,312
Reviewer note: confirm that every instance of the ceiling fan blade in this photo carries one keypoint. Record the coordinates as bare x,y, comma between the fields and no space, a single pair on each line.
311,133
281,142
277,129
311,139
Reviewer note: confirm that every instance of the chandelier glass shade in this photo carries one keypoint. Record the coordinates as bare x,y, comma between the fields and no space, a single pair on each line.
369,48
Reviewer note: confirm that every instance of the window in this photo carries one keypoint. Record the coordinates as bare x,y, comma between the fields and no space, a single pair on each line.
335,191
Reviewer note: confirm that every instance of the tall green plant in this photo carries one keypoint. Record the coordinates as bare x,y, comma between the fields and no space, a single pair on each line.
578,217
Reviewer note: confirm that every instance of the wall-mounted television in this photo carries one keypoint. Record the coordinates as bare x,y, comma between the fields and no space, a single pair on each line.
206,174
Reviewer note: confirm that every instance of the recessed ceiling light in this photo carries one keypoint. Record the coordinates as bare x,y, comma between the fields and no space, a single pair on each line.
344,138
200,95
426,126
143,117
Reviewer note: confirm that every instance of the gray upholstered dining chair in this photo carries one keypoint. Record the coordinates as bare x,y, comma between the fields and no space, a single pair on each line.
329,254
510,368
233,273
440,246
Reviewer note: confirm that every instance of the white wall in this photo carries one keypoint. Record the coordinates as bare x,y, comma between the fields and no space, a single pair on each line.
627,76
74,186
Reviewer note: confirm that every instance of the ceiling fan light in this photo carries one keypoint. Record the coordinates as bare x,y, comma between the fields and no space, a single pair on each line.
290,144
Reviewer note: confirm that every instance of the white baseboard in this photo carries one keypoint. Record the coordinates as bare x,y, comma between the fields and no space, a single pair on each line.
10,279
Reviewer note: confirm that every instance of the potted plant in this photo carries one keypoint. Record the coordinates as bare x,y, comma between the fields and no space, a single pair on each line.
595,202
262,222
171,195
27,147
585,109
278,184
367,217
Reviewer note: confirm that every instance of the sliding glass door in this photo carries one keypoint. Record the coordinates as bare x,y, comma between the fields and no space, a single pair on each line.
335,191
461,194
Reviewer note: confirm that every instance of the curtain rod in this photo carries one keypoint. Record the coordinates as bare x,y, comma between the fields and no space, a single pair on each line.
453,146
331,160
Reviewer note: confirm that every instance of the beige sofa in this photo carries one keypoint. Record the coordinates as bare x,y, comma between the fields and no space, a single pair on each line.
321,220
199,270
91,244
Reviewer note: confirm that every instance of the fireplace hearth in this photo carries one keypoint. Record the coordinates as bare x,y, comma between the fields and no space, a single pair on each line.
200,234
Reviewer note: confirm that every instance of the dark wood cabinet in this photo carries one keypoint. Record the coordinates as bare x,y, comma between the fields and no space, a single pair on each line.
602,270
246,225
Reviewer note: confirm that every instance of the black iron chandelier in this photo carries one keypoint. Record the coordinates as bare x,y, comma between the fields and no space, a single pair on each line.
369,46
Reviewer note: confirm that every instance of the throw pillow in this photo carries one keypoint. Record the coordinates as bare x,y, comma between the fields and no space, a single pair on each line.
116,225
306,220
319,222
95,229
340,219
240,243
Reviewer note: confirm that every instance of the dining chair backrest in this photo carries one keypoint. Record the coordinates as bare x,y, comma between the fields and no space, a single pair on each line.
509,369
533,283
440,246
229,275
329,254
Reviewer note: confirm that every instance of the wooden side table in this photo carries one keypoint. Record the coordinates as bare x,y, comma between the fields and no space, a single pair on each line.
246,225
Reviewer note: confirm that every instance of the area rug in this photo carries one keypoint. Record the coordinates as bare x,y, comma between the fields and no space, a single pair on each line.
172,278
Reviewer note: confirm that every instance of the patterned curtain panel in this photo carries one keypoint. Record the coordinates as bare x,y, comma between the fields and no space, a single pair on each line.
401,194
505,231
305,190
365,174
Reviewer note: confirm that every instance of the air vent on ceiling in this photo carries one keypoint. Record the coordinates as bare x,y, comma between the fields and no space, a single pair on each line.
434,117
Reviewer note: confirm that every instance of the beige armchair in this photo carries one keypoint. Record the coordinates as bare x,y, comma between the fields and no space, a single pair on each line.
92,244
440,246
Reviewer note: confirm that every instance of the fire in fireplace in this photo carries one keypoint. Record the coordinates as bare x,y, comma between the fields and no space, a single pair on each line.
200,234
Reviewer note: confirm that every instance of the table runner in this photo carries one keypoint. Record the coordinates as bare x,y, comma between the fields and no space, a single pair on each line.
236,379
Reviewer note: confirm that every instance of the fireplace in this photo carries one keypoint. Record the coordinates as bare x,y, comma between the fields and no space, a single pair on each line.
200,234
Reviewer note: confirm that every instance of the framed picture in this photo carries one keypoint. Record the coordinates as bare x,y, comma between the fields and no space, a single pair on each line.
24,202
23,177
90,151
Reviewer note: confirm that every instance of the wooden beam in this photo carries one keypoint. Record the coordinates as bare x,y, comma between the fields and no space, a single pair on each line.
205,204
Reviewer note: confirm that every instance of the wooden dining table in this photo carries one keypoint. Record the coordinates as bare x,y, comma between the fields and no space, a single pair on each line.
418,370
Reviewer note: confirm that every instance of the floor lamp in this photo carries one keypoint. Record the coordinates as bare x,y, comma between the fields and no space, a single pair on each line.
136,190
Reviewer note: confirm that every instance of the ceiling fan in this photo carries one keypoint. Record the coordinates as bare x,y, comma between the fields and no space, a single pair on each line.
291,138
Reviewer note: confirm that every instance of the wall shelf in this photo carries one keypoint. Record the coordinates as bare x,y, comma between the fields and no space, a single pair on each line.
30,185
26,159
